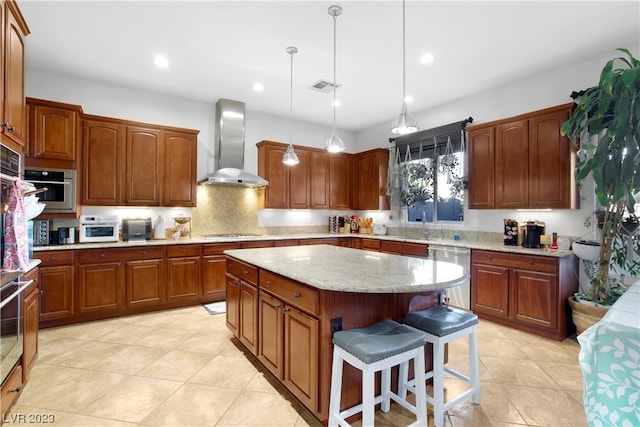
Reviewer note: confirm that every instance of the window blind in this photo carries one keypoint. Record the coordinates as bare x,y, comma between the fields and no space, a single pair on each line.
432,140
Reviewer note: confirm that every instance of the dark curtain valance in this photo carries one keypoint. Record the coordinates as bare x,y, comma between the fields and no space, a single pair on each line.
434,139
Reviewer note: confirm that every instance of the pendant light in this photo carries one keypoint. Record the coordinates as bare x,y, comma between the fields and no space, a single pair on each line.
404,123
290,157
334,144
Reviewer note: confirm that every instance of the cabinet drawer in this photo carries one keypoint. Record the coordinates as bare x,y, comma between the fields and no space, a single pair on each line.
11,387
527,262
218,248
370,244
403,248
54,257
246,272
99,255
257,244
293,293
183,251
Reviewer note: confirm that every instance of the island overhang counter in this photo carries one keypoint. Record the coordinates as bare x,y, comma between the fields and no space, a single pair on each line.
284,303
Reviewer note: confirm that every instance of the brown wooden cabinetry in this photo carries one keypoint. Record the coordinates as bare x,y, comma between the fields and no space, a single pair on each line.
242,302
101,281
214,270
57,283
31,313
370,179
183,273
404,248
138,164
54,134
320,179
145,277
289,186
13,118
522,162
289,334
528,292
340,166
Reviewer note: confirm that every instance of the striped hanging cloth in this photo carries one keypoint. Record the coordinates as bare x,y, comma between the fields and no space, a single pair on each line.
16,239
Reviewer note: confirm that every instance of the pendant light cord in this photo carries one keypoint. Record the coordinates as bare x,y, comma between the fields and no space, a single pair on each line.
335,17
404,61
291,52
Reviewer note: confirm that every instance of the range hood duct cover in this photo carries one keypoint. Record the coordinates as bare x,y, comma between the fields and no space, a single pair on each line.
229,148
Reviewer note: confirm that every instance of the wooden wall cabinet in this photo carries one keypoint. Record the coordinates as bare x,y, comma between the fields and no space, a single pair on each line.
340,181
522,162
289,186
13,120
370,179
137,164
55,134
527,292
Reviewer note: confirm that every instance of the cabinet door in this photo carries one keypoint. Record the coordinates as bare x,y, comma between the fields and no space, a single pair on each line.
14,115
340,186
145,282
320,183
371,177
183,279
213,282
144,166
481,162
550,163
249,317
103,163
271,168
233,304
512,165
301,356
534,298
52,133
57,285
490,289
300,181
31,324
271,333
101,287
180,175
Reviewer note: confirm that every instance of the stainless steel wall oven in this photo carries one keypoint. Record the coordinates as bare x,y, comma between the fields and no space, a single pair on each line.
60,196
11,321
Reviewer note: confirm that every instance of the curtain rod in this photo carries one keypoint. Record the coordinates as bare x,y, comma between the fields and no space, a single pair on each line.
463,124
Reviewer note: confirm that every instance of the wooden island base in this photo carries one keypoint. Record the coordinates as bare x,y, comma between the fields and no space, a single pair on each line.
287,325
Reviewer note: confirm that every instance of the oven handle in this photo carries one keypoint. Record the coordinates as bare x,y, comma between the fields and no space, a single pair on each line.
48,182
23,286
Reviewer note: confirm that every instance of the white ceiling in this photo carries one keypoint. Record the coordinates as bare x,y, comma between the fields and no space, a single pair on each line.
219,49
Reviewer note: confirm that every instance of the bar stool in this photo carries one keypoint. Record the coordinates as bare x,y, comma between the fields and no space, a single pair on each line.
378,347
442,325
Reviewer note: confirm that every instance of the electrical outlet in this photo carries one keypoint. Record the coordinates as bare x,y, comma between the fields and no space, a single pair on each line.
336,325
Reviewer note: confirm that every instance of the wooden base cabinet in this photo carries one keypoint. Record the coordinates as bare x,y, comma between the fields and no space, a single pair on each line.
57,284
183,273
31,313
527,292
242,297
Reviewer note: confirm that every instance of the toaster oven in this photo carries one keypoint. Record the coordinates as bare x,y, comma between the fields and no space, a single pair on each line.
98,228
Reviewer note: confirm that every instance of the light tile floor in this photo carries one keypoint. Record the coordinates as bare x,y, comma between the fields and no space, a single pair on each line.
182,368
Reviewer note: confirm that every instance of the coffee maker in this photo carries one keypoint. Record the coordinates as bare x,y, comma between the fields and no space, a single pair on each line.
531,233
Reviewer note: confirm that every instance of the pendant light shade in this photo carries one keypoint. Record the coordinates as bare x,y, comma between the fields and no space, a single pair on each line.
290,157
404,123
334,144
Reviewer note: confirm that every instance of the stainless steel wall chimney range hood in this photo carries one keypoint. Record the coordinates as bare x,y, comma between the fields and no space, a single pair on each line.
229,148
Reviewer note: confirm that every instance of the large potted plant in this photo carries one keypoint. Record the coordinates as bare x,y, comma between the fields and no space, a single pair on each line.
605,127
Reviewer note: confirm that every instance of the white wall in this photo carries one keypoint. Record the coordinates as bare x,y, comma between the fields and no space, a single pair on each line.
131,104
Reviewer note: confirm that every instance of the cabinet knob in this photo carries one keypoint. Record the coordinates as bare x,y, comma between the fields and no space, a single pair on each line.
490,257
269,283
237,282
184,250
144,252
285,309
52,258
277,306
40,291
530,262
17,390
231,265
7,126
245,272
102,255
296,295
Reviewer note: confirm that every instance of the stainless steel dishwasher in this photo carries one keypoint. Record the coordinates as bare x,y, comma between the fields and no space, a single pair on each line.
459,296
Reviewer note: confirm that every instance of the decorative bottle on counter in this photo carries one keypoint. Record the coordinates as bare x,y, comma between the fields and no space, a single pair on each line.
159,232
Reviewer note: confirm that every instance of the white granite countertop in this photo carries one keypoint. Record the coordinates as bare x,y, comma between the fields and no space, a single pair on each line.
200,240
341,269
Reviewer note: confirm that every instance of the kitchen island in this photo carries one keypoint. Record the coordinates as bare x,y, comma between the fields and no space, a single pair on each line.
284,303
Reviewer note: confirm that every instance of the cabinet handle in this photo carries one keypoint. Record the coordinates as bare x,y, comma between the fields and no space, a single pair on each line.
285,309
237,282
490,257
296,295
277,306
102,255
7,126
530,262
245,272
17,390
269,283
52,258
40,291
231,265
144,252
184,250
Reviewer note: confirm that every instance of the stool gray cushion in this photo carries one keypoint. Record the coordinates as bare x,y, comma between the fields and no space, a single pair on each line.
441,320
378,341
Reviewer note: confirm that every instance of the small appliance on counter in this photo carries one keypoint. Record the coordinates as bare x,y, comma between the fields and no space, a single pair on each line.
510,232
98,228
66,235
379,229
531,233
42,229
136,229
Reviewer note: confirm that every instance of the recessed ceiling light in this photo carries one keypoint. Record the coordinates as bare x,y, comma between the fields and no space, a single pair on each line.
161,61
258,87
427,58
408,99
336,103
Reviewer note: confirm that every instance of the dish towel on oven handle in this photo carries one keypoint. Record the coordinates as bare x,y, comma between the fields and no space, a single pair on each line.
16,239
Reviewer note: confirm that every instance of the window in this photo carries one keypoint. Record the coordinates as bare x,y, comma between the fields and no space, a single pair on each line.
433,188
